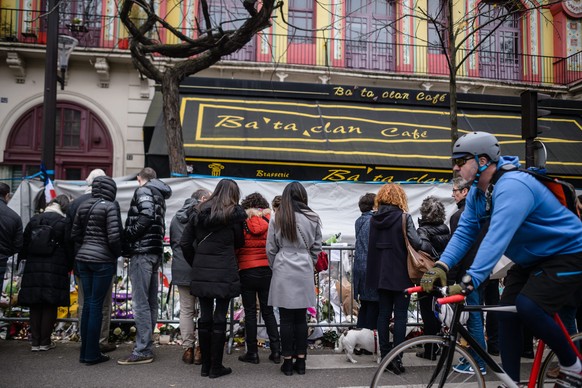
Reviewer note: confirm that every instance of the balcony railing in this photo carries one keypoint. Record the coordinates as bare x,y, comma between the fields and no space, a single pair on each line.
107,32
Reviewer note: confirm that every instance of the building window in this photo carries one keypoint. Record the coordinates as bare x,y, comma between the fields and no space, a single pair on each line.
68,128
438,24
499,53
301,22
82,143
370,34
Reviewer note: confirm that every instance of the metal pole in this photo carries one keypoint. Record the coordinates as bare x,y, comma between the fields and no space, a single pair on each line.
50,88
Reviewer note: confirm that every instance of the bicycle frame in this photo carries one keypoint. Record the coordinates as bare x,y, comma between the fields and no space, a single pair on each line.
459,329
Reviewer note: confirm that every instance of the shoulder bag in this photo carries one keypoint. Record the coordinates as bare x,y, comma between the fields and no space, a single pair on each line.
418,262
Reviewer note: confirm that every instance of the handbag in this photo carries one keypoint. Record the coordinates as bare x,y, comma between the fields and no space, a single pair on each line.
417,262
322,262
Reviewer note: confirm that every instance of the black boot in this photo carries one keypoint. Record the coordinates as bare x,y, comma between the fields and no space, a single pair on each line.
275,355
251,358
216,353
204,340
287,367
429,352
299,366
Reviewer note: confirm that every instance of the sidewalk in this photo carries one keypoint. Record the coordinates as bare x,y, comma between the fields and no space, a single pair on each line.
21,368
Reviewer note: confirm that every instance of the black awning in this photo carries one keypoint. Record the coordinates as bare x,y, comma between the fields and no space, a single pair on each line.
351,135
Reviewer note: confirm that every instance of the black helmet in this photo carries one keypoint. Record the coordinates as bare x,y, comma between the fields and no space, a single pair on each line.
477,143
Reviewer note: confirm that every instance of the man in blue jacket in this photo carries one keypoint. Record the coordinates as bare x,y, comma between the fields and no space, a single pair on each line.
530,226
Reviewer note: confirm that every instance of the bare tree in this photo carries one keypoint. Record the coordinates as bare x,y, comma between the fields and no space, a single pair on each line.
193,54
473,30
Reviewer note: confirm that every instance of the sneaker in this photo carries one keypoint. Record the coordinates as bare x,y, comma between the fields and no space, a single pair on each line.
35,348
468,369
134,359
567,379
44,348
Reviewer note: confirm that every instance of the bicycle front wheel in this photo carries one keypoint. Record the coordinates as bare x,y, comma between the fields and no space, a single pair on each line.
550,367
426,372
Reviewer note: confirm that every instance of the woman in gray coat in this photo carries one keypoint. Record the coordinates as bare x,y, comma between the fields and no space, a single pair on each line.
293,243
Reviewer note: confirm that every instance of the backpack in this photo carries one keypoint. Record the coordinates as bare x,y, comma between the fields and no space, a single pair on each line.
42,240
562,190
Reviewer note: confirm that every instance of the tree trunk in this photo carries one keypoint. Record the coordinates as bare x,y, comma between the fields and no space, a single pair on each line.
172,123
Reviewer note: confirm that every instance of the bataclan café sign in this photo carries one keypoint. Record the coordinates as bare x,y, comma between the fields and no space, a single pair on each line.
329,133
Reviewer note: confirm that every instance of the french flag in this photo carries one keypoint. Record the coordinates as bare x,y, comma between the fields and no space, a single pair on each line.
49,189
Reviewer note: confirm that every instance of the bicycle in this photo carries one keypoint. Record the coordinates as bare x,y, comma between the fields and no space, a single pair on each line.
421,372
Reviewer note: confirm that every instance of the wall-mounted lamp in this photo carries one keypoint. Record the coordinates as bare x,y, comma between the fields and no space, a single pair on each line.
66,45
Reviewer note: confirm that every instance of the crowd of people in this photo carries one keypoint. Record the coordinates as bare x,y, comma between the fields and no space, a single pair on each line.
225,246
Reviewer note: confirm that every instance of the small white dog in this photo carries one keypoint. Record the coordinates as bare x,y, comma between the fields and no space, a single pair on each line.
358,339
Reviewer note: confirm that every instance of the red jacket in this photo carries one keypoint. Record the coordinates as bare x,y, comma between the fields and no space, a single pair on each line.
253,254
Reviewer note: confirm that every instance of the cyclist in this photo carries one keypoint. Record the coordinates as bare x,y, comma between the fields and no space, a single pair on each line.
530,226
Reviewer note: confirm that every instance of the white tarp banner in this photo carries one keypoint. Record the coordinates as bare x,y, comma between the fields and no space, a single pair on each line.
335,202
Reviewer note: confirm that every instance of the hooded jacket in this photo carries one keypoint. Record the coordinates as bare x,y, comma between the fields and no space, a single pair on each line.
387,253
253,254
527,223
145,225
180,267
210,248
97,225
46,278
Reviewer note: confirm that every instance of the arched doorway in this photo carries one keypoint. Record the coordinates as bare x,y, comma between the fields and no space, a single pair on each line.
82,143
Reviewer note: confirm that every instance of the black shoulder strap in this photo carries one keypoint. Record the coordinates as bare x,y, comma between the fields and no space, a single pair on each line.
86,221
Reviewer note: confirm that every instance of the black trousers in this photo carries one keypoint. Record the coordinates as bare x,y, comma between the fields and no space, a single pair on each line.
255,282
293,331
212,317
368,315
431,323
491,298
42,323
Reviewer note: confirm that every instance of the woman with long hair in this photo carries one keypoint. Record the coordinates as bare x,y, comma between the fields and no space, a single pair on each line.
293,243
387,268
209,241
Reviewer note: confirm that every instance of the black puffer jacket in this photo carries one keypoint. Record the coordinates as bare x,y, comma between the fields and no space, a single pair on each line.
10,234
211,250
145,226
438,235
46,278
101,238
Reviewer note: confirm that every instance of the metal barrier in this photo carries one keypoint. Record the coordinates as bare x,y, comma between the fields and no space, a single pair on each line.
335,308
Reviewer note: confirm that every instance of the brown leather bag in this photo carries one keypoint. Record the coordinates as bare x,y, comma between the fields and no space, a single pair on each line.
418,262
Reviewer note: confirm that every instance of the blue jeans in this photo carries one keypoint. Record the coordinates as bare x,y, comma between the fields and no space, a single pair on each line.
143,274
475,323
96,279
391,301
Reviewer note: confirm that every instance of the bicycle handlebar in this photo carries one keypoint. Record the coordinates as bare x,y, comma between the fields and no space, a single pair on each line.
412,290
451,299
443,290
